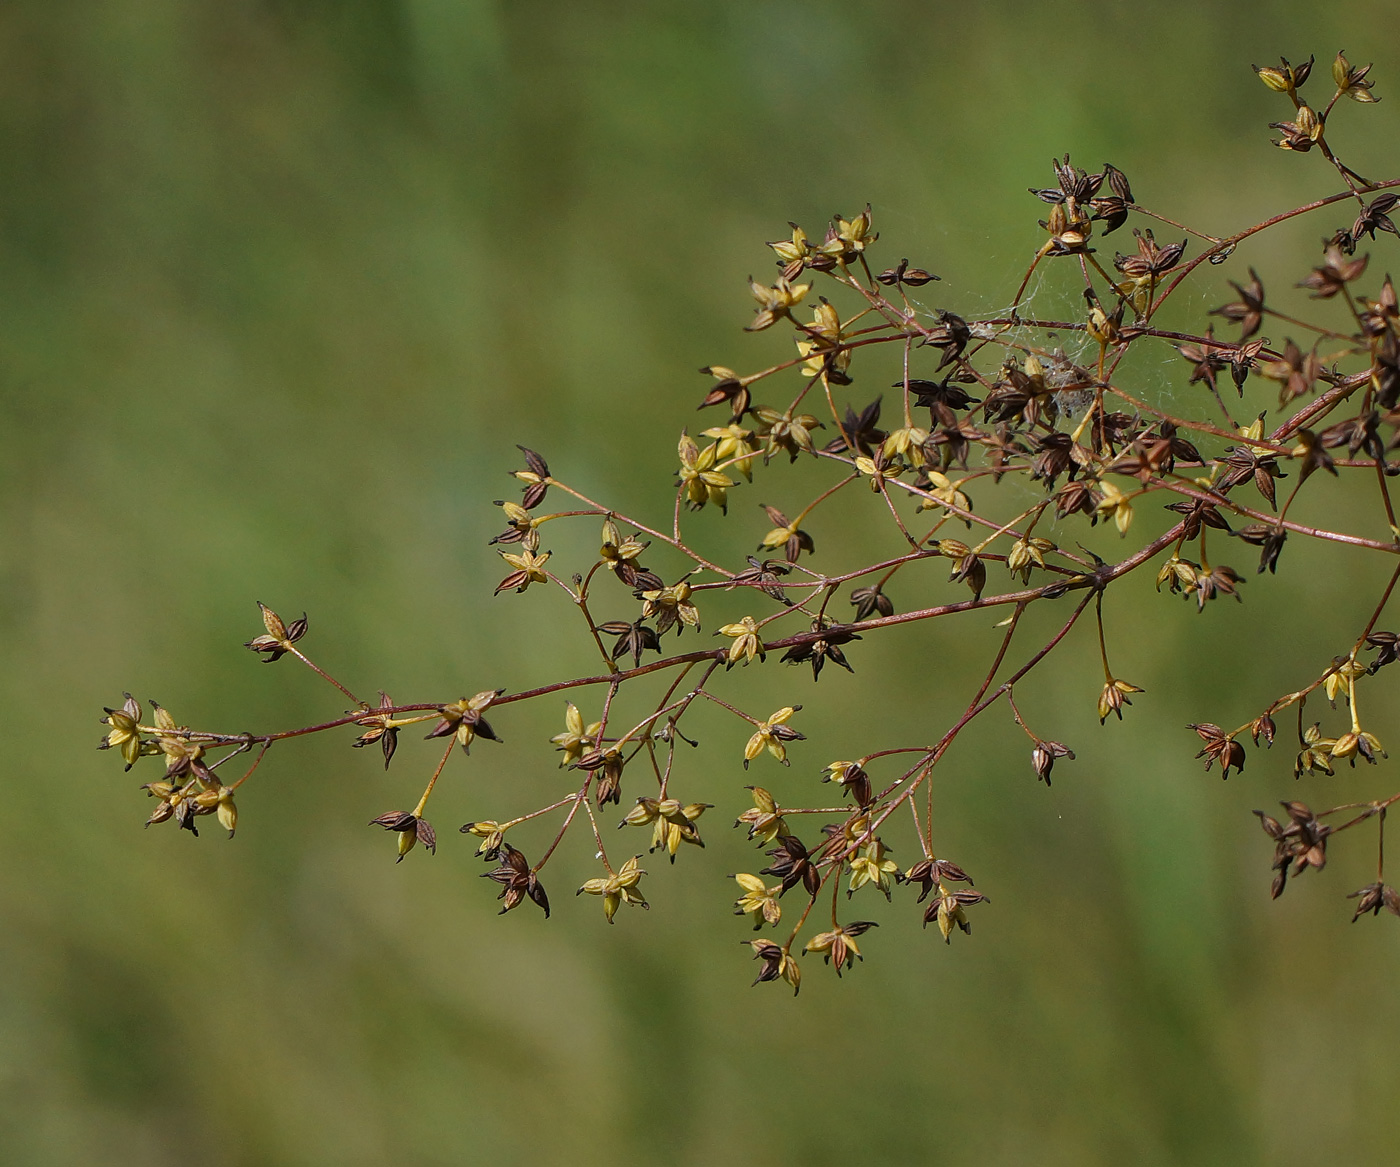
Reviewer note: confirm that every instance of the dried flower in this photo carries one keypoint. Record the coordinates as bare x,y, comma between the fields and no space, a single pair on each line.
492,836
1302,133
518,881
1351,81
871,865
1151,259
1207,357
869,600
1248,310
786,431
733,441
672,822
463,718
1389,645
606,764
1299,845
827,648
279,638
1219,747
1286,78
1114,504
380,727
1358,743
1217,581
852,779
793,253
183,756
1376,217
820,343
634,638
620,555
125,734
747,644
765,576
777,963
697,475
671,607
759,901
411,830
772,735
941,491
774,303
787,535
522,526
1316,754
1373,897
947,909
931,873
535,477
793,865
970,569
764,820
619,887
902,273
1335,273
1294,372
907,442
838,947
577,738
729,388
847,239
1043,758
529,568
1114,697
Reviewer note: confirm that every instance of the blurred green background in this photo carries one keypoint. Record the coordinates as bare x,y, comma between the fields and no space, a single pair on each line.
282,283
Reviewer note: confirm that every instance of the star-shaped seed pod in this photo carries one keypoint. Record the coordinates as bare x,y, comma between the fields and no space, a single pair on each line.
1298,846
764,819
872,865
698,477
411,830
670,607
1219,747
606,765
852,779
577,738
380,727
773,735
947,910
729,388
617,888
786,534
838,947
529,568
672,822
125,732
931,873
518,881
464,719
774,303
747,643
535,477
1373,897
777,963
634,638
793,865
759,901
277,641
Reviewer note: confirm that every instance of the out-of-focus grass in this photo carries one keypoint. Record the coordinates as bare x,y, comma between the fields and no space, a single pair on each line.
282,283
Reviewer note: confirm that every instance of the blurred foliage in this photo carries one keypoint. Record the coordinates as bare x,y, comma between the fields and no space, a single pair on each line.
281,283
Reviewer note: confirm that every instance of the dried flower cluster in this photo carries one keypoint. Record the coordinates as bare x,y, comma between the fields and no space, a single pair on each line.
976,399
